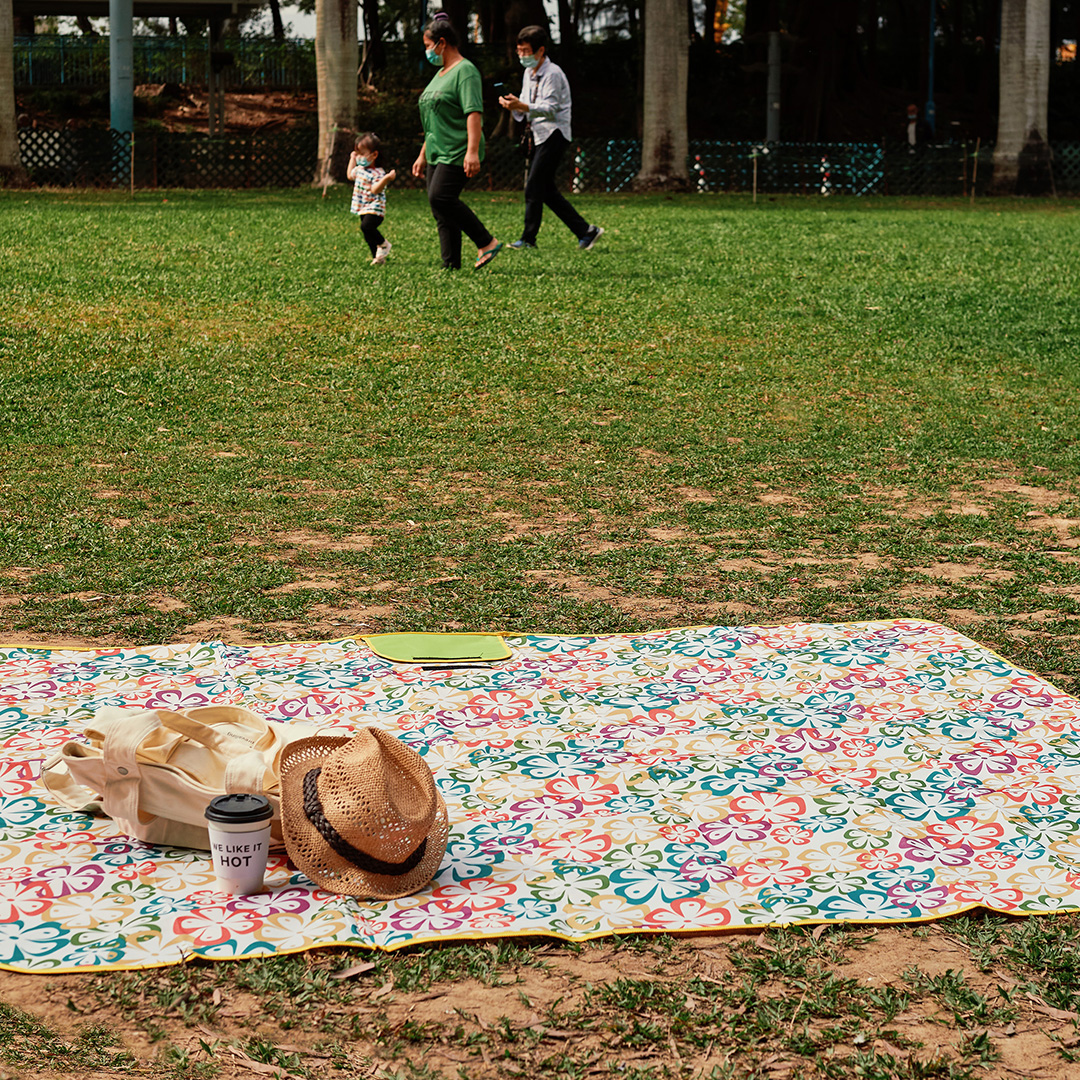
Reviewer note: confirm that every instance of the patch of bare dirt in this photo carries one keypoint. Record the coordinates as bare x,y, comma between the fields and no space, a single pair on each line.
950,571
665,535
223,628
25,574
966,615
469,1025
1028,1050
696,495
1037,496
181,109
1044,615
1063,528
1065,557
916,591
58,641
735,607
599,547
1071,591
780,498
315,541
519,528
770,562
315,581
164,603
963,503
580,589
653,456
362,616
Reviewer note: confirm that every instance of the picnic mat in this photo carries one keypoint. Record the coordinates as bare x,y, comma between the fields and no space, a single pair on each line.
686,779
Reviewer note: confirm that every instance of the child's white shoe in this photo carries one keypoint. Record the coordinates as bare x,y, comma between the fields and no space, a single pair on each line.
380,253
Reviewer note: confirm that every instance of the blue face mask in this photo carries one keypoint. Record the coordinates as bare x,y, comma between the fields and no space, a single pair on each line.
434,58
528,61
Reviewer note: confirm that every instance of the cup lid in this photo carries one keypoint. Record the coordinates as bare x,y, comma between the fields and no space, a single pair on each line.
239,808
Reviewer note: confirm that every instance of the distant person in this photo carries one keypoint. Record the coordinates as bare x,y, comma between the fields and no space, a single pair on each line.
452,112
545,105
369,193
918,130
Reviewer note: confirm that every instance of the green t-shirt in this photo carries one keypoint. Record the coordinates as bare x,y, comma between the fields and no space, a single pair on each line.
444,104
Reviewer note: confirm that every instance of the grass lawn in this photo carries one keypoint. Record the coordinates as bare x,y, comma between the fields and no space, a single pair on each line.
218,421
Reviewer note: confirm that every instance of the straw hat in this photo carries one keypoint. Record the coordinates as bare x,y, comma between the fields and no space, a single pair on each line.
361,816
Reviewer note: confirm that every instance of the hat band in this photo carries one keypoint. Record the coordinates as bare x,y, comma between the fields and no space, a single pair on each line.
313,811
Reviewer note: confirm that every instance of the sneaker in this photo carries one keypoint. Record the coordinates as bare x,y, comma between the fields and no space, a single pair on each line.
519,244
590,238
380,253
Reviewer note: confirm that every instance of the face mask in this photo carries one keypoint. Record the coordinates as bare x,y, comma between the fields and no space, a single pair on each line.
434,58
365,162
528,61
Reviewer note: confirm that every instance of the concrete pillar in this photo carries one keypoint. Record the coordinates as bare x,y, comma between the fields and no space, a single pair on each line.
121,66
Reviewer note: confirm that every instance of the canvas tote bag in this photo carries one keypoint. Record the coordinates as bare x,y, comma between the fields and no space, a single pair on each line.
153,771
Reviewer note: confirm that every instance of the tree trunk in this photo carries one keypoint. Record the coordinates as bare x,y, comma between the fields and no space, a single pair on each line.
664,143
12,173
1022,156
374,49
568,37
337,58
458,11
275,16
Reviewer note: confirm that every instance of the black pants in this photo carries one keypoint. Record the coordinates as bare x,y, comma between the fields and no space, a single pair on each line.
540,189
369,225
452,216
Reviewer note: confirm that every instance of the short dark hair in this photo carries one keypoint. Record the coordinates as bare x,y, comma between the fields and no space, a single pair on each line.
536,37
368,139
442,29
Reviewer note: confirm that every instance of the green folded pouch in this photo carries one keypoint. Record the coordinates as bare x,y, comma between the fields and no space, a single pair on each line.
438,648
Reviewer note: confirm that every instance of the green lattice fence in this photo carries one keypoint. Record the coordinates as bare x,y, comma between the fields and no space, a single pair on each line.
90,157
1066,165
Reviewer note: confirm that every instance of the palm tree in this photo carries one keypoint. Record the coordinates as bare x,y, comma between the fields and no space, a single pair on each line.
337,59
664,143
11,170
1024,65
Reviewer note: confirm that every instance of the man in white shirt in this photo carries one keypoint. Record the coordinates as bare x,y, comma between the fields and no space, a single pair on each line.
545,106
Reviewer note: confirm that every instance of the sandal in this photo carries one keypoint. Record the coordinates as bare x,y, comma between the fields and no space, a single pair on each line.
488,256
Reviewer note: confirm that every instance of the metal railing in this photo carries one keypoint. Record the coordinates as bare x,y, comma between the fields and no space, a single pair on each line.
57,60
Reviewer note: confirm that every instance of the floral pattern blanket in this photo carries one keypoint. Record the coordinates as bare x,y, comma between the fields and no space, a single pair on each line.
684,779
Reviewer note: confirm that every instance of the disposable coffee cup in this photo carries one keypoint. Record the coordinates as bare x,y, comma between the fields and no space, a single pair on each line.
239,827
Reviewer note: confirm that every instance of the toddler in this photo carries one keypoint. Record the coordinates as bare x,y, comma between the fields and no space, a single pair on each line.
369,193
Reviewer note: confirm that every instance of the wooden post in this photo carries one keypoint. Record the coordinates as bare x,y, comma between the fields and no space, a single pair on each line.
975,168
133,164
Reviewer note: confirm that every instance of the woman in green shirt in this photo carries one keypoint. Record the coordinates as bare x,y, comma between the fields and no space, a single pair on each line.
452,112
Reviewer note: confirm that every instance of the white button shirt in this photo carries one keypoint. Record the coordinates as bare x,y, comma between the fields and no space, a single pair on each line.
547,93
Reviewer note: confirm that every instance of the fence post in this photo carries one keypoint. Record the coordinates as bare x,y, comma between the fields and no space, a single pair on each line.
975,168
